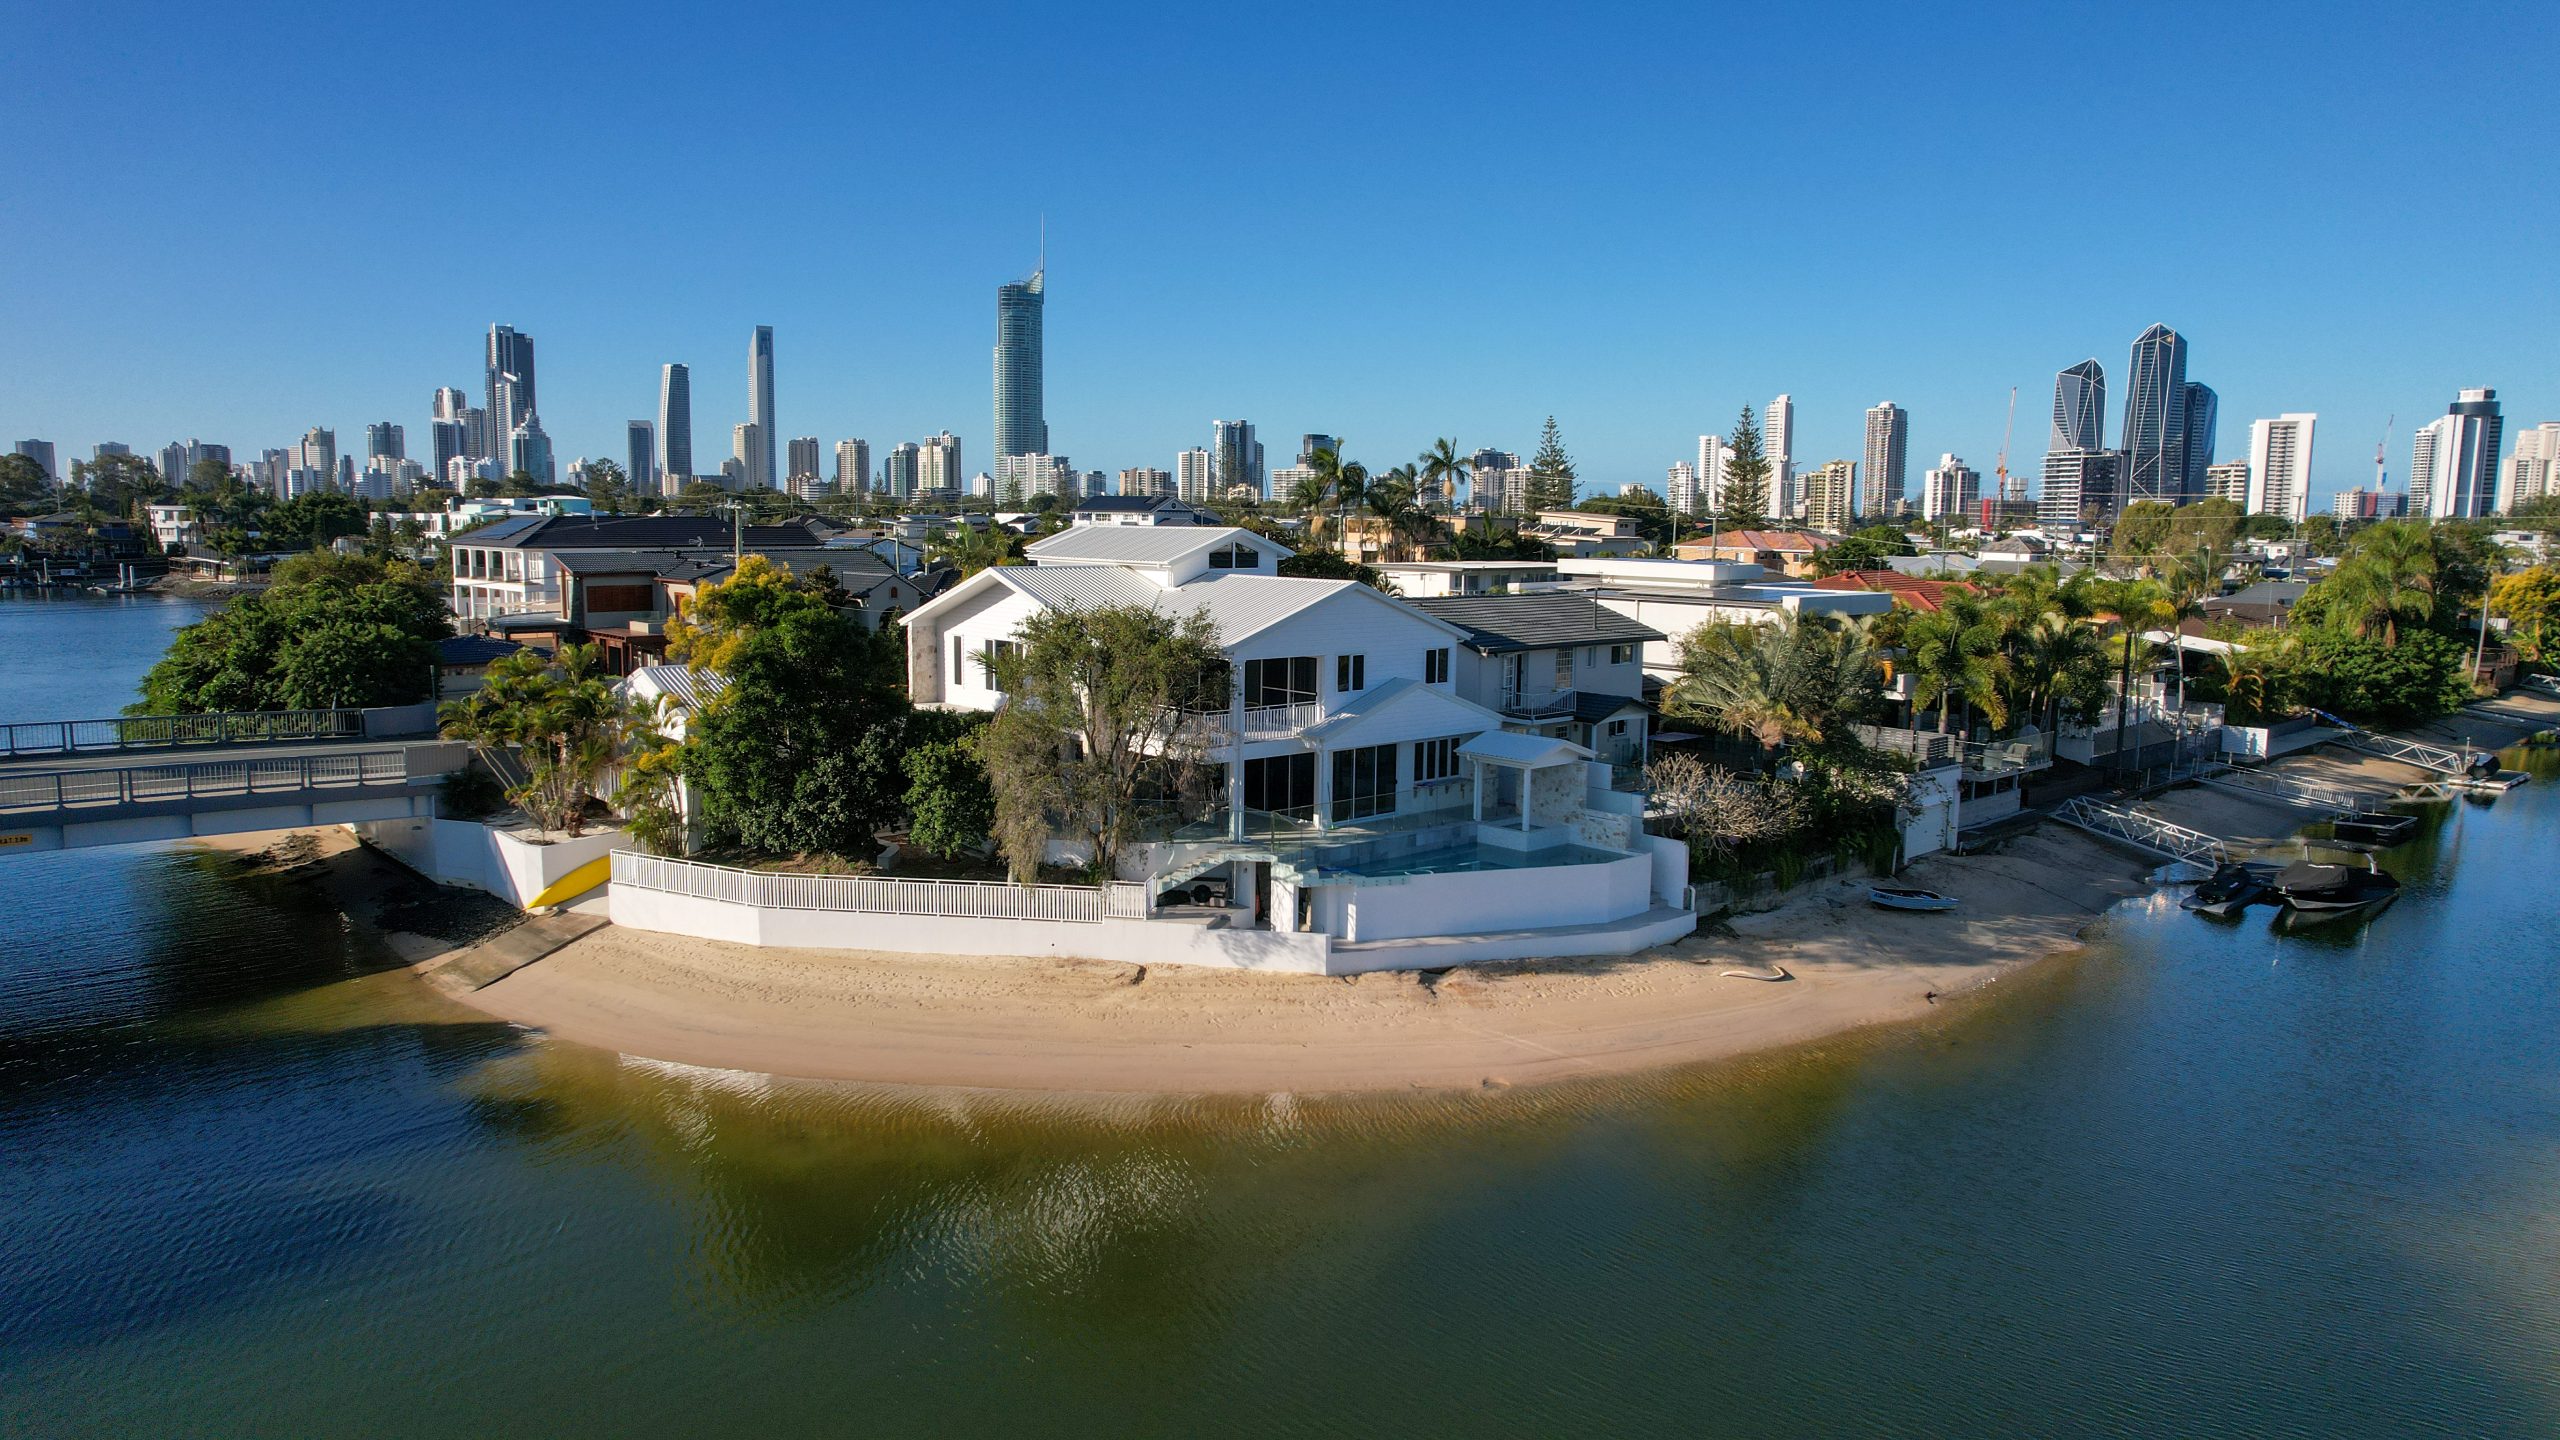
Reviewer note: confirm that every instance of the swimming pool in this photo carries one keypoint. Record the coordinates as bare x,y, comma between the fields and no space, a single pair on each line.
1458,859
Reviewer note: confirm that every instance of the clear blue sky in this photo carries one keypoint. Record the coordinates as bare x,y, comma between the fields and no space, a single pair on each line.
1390,223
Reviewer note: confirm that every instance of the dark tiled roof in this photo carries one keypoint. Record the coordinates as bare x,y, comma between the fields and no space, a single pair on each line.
1591,707
473,649
1497,624
644,532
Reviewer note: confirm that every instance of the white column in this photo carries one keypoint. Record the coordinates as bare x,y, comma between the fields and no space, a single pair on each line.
1235,755
1478,767
1324,791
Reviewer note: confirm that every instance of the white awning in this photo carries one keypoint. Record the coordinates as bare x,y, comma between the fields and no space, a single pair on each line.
1529,752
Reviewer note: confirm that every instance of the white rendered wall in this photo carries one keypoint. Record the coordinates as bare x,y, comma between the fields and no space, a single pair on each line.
1475,902
483,857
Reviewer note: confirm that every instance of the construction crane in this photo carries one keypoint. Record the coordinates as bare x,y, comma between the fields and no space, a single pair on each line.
2000,468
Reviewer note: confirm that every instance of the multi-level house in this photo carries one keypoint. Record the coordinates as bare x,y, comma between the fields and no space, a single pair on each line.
1555,662
1356,790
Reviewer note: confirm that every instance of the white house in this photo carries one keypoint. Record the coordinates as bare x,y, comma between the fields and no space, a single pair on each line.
1365,801
1557,663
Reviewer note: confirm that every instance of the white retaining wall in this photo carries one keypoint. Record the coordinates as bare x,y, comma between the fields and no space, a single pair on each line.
484,857
1472,902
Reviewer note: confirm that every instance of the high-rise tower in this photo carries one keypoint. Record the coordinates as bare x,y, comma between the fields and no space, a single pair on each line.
760,403
675,427
510,370
1022,424
2453,469
1888,454
2080,408
2155,419
2201,404
1778,443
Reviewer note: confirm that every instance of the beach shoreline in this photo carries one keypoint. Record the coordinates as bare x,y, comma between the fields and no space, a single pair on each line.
1061,1027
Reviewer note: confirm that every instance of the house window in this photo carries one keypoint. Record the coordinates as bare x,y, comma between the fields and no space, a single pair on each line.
1350,674
1364,782
1435,759
1435,666
1564,668
1622,654
1235,557
1282,783
1284,680
994,653
1617,728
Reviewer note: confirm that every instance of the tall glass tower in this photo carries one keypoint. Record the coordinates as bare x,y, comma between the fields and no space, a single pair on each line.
510,369
675,427
760,394
2079,408
2201,405
1022,425
2155,419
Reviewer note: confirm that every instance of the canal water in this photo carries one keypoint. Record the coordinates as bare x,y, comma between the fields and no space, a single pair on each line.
2202,1179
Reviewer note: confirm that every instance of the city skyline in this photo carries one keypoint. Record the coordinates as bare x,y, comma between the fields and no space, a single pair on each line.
305,308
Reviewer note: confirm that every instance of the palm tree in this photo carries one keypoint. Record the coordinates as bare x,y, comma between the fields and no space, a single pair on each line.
2052,654
2390,574
1956,655
1443,472
2135,604
1795,679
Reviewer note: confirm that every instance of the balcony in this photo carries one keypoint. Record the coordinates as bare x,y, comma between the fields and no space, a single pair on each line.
1210,729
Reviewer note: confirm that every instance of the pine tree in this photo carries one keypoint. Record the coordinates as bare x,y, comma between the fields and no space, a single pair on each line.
1746,489
1551,476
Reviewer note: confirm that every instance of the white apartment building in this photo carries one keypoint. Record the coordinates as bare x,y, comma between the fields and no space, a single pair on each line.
1191,471
1831,496
2533,468
2280,466
2228,480
1681,490
1713,458
1952,493
1778,442
2453,460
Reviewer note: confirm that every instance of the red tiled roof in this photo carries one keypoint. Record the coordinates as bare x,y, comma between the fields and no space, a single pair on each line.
1925,596
1784,541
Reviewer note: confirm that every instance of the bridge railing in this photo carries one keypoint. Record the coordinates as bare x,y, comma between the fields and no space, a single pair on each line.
21,793
169,732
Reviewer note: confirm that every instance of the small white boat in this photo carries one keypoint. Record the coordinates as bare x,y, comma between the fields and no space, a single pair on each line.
1901,897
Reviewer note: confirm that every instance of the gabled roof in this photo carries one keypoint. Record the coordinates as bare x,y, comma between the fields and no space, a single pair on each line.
1534,620
689,687
1136,505
1590,707
1238,604
1509,747
1784,542
645,532
1151,545
1347,718
1925,596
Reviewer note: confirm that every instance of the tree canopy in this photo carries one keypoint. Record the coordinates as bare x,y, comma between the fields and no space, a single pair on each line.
1746,469
330,631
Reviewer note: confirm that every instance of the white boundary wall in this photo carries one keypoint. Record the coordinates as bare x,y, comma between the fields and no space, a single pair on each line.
484,857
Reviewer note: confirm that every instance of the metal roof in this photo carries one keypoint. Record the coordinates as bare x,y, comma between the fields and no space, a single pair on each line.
1534,620
688,687
473,649
645,532
1141,544
1534,752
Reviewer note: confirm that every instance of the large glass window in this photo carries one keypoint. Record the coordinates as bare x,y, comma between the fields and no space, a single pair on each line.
1364,782
1435,759
1281,782
1284,680
1350,674
1235,557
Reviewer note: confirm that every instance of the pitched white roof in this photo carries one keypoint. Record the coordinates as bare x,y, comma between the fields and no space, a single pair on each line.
1239,604
1347,719
689,687
1140,544
1532,752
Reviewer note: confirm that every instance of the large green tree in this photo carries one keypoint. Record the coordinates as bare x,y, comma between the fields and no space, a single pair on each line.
331,631
563,715
1095,701
2386,580
1746,486
799,752
1551,472
1794,679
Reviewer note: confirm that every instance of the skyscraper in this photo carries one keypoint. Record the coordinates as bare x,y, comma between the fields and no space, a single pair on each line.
447,439
1191,481
2155,419
640,456
938,468
2201,405
747,447
2280,466
510,379
2080,487
853,466
41,452
1952,493
529,451
675,427
1830,495
2228,480
760,406
2533,471
1713,457
1888,451
1308,445
386,440
1022,424
1145,480
1238,456
317,452
803,456
2080,408
1778,443
2453,467
898,473
173,462
1680,489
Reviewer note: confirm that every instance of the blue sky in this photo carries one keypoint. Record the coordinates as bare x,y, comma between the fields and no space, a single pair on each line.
1386,222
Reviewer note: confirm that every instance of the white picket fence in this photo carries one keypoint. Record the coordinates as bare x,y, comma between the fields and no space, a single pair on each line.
881,895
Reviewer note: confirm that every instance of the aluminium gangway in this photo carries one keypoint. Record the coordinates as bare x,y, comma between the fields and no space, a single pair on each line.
2143,832
2392,747
2289,790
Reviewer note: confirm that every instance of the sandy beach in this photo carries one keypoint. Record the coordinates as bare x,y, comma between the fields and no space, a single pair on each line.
1067,1026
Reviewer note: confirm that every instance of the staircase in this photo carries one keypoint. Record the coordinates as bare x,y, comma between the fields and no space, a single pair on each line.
2143,832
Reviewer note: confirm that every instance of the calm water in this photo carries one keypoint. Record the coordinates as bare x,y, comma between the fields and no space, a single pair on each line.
2203,1180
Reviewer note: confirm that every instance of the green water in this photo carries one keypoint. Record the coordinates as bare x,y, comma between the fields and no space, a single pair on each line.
2203,1179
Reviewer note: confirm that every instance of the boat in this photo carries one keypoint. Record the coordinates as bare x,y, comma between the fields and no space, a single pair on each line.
2374,827
2315,888
1902,897
2231,889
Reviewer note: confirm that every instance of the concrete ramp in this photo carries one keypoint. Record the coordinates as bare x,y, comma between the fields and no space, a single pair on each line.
508,951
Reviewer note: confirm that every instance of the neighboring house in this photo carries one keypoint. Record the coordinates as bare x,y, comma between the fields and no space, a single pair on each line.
2269,602
1675,597
1556,663
174,525
1785,551
1926,596
54,529
1362,797
1585,533
463,661
1137,510
1426,579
